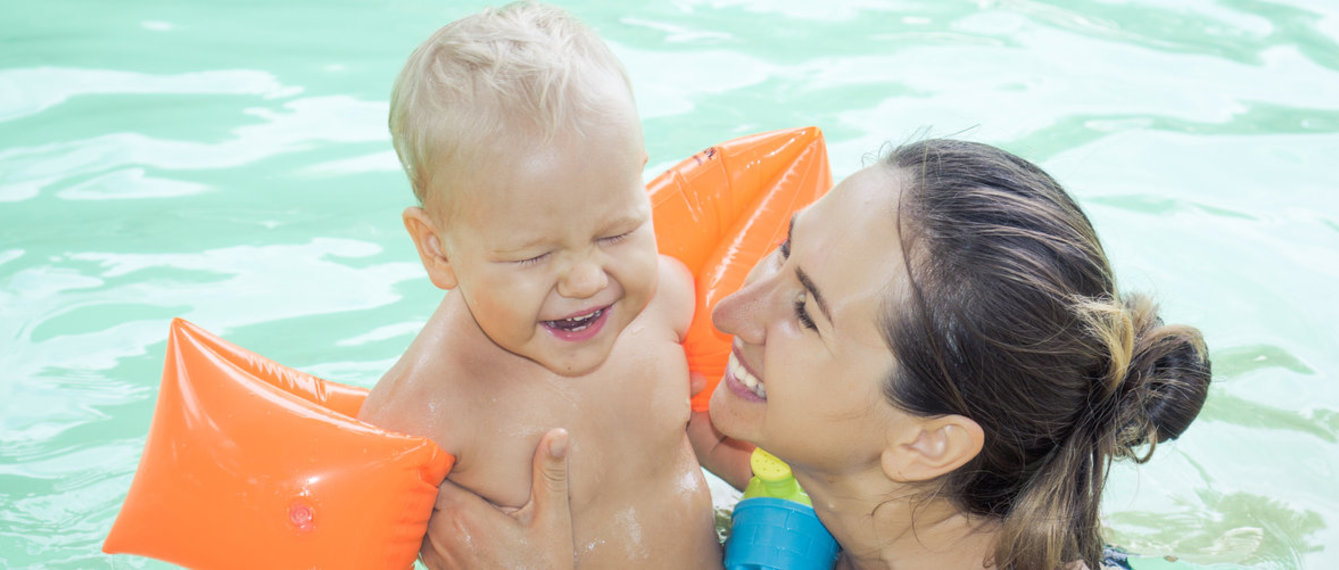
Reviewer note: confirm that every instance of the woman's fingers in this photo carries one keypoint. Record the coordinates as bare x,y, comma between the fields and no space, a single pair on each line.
548,514
725,457
457,516
548,487
467,531
696,383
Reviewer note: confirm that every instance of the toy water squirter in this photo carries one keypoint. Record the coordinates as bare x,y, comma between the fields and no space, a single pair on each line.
774,526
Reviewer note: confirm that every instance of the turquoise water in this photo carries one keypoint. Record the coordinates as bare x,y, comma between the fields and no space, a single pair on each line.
228,163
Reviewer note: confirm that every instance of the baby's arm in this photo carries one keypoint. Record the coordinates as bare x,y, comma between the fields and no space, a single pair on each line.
674,295
727,458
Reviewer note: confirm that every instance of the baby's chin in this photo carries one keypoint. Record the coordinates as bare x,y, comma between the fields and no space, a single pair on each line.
575,367
577,360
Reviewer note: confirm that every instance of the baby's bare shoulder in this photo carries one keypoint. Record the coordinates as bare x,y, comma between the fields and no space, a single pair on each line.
674,300
429,390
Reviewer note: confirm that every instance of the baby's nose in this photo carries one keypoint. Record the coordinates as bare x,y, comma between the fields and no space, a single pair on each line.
583,279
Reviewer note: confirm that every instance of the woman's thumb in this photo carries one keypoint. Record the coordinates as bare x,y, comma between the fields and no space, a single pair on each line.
549,482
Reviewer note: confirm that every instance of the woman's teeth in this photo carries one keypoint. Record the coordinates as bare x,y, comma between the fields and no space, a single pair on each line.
575,324
748,380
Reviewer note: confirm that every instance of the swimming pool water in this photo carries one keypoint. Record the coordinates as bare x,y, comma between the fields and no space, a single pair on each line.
229,163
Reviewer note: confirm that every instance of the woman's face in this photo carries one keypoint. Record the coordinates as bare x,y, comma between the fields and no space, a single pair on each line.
808,362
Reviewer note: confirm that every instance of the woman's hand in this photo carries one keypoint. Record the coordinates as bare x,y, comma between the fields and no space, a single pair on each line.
468,532
727,458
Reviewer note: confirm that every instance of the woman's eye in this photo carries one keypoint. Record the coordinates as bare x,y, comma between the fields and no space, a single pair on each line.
802,314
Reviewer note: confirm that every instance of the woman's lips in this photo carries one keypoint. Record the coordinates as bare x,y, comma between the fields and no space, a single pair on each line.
742,382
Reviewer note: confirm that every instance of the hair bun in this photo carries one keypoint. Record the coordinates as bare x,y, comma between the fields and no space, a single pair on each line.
1166,381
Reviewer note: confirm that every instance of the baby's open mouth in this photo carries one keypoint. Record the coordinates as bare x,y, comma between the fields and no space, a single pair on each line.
576,324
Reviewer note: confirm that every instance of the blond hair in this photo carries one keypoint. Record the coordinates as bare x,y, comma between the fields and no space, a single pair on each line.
525,68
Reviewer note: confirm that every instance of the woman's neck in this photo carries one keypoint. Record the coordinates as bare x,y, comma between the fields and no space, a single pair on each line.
882,524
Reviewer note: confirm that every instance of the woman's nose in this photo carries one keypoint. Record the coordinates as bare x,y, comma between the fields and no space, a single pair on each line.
584,278
743,314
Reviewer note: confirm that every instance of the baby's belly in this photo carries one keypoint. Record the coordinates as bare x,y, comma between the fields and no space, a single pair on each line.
648,513
648,522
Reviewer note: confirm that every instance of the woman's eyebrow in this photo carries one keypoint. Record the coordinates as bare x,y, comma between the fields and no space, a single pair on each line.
805,281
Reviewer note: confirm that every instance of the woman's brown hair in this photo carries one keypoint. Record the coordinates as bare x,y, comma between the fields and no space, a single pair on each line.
1015,322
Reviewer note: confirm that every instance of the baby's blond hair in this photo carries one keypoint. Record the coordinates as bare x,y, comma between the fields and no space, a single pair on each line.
525,67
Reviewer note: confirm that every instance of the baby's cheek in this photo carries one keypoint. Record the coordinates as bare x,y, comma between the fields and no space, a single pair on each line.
639,271
508,302
649,277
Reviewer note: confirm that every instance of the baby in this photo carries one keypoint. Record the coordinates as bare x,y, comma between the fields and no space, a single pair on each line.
519,134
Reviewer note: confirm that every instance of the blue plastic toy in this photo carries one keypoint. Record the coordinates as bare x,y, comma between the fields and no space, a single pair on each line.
774,526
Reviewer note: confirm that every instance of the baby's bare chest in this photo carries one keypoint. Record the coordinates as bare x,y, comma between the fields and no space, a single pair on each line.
625,420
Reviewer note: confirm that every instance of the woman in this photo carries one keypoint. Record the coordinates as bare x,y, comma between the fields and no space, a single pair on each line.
940,353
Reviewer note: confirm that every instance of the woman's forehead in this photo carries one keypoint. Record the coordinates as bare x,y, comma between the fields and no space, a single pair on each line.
863,207
848,244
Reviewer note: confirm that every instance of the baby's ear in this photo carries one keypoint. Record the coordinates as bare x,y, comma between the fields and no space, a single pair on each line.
427,238
934,447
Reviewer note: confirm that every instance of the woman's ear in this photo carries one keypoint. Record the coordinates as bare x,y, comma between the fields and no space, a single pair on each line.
428,241
934,447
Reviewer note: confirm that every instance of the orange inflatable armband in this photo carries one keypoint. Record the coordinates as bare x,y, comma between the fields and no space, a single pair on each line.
725,208
250,464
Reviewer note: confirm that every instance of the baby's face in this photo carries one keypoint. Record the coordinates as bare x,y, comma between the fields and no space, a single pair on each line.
553,248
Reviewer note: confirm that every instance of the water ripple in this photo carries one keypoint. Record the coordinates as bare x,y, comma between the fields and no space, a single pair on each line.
28,91
117,164
232,166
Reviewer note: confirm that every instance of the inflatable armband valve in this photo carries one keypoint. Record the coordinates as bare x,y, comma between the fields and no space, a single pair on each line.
725,208
249,464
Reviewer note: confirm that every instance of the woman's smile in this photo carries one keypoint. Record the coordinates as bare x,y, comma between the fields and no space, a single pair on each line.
743,382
